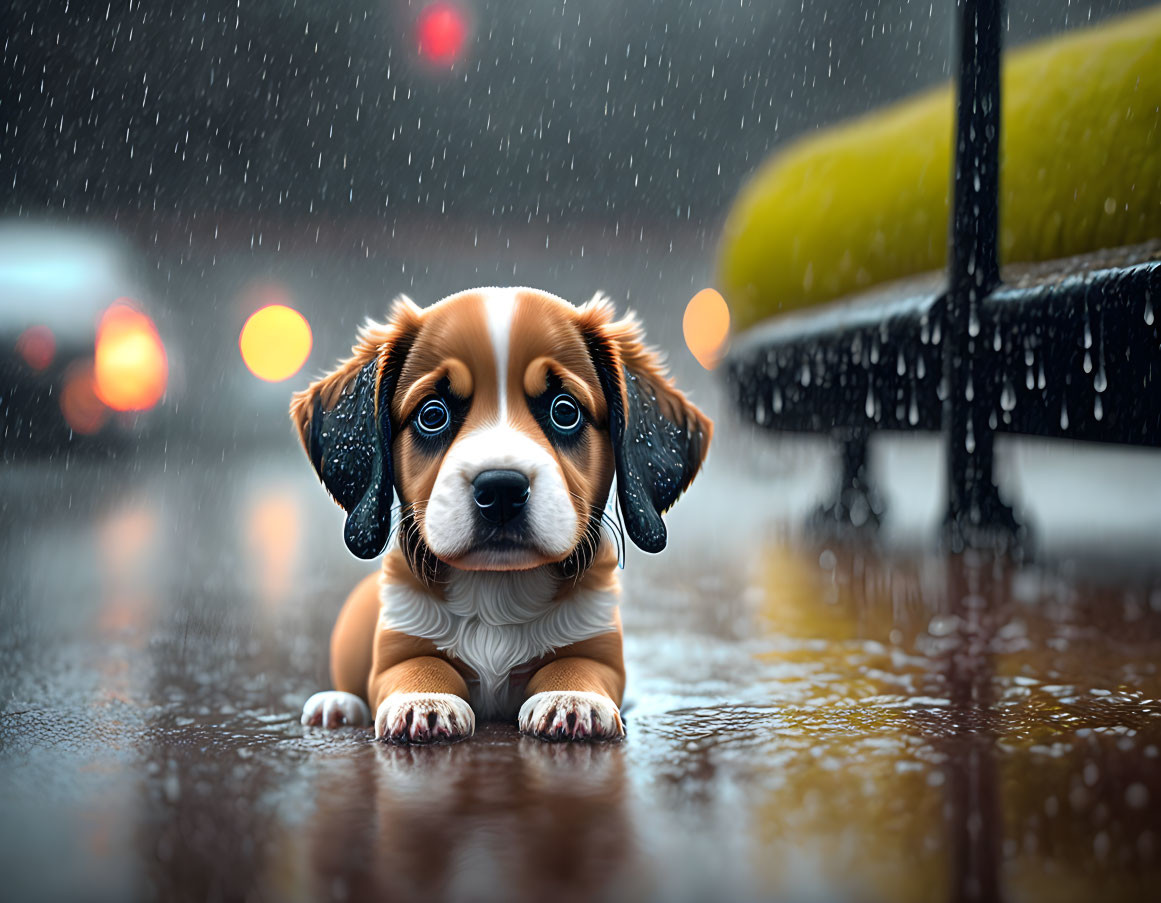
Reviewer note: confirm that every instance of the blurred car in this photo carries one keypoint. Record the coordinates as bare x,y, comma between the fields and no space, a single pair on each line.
80,355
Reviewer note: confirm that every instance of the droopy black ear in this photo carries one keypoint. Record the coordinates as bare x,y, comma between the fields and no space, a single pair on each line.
659,438
344,422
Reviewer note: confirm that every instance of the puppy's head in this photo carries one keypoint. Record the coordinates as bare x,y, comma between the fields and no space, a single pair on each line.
500,416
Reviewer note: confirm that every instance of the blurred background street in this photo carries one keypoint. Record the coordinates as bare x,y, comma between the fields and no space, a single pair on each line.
808,718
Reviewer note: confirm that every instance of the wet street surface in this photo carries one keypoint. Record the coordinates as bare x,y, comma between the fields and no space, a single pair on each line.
806,719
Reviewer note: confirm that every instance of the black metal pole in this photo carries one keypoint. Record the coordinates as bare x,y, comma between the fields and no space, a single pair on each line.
975,514
856,504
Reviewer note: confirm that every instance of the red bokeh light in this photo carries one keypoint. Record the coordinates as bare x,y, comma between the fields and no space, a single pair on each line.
37,345
442,30
83,411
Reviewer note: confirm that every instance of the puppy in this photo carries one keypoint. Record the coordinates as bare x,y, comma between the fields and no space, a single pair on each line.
499,416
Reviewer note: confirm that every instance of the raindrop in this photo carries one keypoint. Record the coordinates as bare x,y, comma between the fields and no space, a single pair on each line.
913,411
1008,396
969,441
1063,414
974,322
777,401
1100,382
870,406
1087,362
901,364
1098,410
1148,311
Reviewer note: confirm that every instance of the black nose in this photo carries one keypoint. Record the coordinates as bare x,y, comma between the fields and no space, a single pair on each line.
500,495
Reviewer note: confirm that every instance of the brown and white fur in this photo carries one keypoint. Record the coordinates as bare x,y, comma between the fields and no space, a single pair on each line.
473,615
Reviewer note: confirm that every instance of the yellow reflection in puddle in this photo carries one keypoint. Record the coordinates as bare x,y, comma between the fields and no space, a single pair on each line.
273,528
126,540
940,733
1080,749
858,807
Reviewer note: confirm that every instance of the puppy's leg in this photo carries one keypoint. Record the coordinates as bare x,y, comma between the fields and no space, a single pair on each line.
421,700
416,694
574,698
351,644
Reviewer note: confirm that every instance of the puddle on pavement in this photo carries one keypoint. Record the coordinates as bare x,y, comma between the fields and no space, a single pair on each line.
929,727
806,721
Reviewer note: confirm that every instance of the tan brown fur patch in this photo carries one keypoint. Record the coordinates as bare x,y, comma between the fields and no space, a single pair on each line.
545,337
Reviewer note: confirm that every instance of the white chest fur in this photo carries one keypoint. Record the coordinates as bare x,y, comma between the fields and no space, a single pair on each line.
494,622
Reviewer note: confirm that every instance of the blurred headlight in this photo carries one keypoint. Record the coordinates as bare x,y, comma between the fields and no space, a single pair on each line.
130,367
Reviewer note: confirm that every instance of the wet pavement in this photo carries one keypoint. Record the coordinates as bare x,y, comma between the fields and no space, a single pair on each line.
806,720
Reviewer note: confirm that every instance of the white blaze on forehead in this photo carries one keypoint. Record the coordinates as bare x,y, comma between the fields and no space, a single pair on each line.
500,304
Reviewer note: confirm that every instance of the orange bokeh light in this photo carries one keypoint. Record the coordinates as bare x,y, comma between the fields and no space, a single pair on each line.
130,368
275,342
707,326
37,345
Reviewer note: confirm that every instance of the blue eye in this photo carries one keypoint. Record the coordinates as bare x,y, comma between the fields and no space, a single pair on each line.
433,417
565,413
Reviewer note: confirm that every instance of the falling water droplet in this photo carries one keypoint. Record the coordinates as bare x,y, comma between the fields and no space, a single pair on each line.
1098,410
969,441
1063,414
974,322
901,364
913,411
1008,396
1100,381
870,406
1148,311
777,401
1087,362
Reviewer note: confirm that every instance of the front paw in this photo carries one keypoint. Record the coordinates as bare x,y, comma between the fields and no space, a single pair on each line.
567,715
424,718
334,708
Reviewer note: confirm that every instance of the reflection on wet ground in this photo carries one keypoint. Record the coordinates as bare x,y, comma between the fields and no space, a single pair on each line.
806,720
